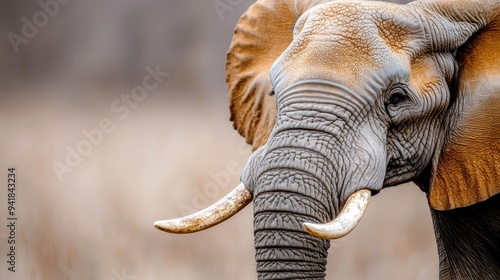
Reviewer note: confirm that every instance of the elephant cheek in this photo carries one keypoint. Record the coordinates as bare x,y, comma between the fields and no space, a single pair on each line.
368,165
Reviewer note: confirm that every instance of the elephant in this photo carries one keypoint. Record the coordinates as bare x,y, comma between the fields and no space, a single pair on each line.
341,99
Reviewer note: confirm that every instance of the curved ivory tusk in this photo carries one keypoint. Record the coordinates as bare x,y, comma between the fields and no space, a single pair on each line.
346,221
218,212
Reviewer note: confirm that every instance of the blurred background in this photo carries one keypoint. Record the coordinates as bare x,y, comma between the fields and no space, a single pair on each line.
95,168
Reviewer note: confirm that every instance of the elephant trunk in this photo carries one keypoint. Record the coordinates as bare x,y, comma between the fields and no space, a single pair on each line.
283,249
312,163
295,187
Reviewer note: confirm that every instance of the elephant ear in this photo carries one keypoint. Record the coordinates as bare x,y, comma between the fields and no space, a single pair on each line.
261,35
467,170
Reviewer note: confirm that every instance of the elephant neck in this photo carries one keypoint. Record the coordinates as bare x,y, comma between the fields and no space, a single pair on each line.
468,240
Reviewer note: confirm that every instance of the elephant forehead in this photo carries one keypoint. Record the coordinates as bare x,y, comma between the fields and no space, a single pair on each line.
352,41
361,18
365,27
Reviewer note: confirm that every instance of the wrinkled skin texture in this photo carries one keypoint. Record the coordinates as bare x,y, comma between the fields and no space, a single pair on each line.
370,95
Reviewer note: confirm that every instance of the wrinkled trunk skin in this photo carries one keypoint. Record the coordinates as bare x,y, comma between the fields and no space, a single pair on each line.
294,185
283,249
307,168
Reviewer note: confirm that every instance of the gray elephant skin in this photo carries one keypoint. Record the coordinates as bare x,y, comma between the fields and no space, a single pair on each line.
341,99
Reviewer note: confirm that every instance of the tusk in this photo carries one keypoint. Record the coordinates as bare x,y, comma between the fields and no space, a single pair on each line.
346,221
218,212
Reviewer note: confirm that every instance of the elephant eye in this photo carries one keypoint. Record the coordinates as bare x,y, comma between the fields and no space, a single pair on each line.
391,105
396,98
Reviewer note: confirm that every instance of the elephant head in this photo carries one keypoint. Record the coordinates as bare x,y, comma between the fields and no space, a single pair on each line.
341,99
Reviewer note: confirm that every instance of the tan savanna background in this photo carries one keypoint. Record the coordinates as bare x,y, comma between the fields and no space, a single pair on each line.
173,153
